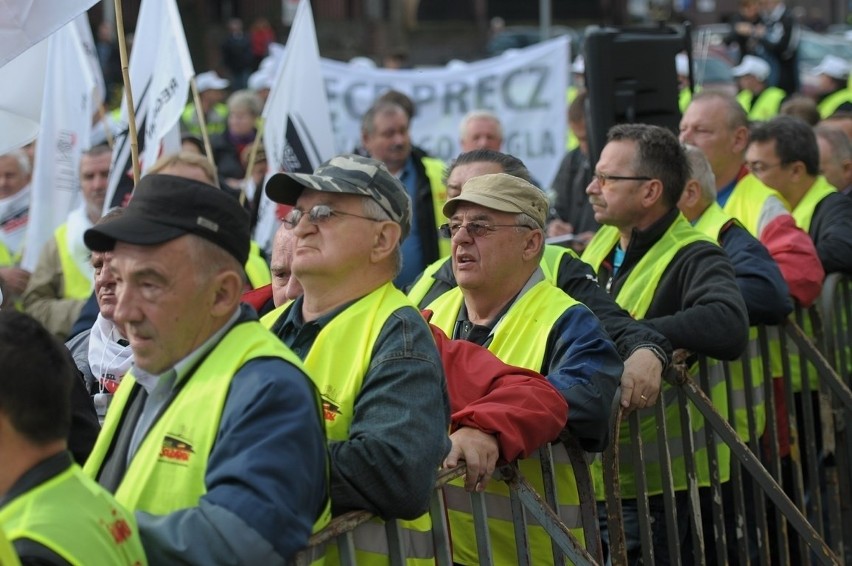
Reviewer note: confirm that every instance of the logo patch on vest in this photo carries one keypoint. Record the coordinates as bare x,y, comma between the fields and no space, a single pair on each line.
175,450
330,410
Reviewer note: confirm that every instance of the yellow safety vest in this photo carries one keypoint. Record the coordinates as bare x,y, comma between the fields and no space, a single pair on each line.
635,296
5,256
190,121
520,339
8,556
256,268
77,285
833,101
803,214
167,472
571,140
765,106
421,287
77,519
746,202
435,174
711,223
337,363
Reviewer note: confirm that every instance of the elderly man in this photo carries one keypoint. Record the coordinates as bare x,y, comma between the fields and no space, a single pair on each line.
385,137
505,303
369,351
717,124
62,280
51,512
676,280
480,129
835,157
15,172
645,351
211,482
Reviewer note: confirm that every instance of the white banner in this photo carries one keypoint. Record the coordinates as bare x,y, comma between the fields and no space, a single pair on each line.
24,23
159,70
20,107
297,135
525,88
66,122
88,43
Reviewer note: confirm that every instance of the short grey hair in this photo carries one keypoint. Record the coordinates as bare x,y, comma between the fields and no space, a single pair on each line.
700,170
524,219
22,159
840,144
373,209
476,115
245,100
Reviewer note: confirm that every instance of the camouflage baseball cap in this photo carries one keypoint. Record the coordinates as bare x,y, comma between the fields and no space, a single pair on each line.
349,174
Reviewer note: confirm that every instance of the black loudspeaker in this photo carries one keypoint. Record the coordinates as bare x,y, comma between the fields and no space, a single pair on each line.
631,78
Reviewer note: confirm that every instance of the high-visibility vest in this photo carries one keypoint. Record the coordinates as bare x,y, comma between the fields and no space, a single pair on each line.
8,556
422,286
190,121
5,256
832,102
337,363
435,174
77,285
520,339
256,268
167,472
711,223
746,202
77,519
763,107
635,296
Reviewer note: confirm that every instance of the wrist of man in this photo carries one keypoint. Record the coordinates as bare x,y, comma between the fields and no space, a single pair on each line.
658,353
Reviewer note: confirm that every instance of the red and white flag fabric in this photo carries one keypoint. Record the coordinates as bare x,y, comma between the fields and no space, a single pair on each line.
297,126
66,123
160,69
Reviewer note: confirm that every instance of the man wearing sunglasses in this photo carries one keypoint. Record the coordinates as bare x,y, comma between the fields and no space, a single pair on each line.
369,351
504,302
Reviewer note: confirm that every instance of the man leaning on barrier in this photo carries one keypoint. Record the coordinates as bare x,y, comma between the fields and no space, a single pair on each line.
674,278
504,302
202,434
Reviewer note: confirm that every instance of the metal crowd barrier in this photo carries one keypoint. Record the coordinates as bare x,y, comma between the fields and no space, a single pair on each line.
785,510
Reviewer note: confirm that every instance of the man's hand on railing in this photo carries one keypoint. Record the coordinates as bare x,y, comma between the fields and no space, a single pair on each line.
479,450
640,382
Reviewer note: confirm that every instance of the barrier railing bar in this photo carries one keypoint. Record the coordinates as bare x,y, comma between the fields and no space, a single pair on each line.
586,492
520,523
642,505
694,505
440,529
615,517
548,478
480,524
713,465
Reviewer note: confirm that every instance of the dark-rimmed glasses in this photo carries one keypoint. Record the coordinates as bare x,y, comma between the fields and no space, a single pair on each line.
475,229
319,214
603,178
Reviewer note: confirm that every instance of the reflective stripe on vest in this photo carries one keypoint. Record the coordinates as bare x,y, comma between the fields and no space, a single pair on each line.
520,339
76,284
337,363
256,268
711,223
636,296
167,472
435,174
8,556
75,518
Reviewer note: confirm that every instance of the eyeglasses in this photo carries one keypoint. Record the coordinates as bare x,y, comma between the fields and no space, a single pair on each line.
603,178
475,229
759,167
319,214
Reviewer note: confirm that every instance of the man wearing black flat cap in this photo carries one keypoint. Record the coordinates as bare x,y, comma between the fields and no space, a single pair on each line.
214,436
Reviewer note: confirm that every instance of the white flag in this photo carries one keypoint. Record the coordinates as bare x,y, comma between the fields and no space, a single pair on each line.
66,122
160,69
297,127
20,107
23,23
91,51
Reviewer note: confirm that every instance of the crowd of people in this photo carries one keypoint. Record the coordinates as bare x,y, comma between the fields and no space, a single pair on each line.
209,406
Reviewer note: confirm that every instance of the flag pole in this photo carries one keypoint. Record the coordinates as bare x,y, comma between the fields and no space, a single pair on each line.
125,74
252,157
202,121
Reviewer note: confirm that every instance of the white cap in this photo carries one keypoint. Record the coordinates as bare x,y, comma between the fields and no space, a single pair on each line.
210,81
751,65
260,80
456,64
682,64
579,65
362,62
834,67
